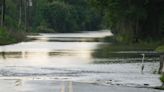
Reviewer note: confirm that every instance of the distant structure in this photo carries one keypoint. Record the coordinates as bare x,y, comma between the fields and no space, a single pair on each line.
30,3
142,64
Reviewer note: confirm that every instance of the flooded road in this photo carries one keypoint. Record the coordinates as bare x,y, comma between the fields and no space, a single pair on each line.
70,57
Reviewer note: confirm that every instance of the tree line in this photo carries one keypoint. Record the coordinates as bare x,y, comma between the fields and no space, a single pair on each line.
15,13
133,20
49,15
68,16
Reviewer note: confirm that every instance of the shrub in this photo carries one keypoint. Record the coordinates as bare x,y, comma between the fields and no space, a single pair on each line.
8,37
160,49
162,79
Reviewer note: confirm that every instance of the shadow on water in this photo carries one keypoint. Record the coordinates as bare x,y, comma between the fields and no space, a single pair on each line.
7,55
102,54
108,53
68,39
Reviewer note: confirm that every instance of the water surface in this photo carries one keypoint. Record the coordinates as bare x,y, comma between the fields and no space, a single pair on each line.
71,57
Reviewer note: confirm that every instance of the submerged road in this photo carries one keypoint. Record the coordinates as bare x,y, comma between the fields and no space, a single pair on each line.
63,86
65,62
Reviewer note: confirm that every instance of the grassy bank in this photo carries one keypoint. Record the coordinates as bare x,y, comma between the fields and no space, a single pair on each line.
118,45
109,50
160,48
9,37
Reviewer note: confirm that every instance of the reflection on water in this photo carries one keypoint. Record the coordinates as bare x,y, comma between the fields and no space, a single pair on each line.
74,57
53,49
56,56
26,55
106,53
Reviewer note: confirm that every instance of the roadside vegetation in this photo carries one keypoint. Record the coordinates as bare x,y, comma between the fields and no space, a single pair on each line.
160,49
137,25
9,37
130,21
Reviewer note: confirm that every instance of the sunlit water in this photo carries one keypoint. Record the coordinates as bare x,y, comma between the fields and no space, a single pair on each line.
68,57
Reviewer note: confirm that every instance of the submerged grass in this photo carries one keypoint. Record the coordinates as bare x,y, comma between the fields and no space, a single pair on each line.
122,50
111,50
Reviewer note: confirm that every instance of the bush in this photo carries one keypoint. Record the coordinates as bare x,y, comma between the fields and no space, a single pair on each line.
162,79
8,37
160,49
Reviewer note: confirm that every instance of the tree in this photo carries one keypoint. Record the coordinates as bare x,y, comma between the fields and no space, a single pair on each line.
25,14
133,20
20,14
71,16
3,6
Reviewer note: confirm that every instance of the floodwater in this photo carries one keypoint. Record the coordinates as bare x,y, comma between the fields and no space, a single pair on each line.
70,57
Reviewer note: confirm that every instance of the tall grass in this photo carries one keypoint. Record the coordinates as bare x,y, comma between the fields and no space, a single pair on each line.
160,48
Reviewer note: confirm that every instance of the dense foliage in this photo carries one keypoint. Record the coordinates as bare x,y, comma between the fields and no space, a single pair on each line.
71,16
133,20
50,15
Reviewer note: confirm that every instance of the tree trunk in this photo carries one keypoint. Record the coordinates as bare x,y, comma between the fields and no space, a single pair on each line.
161,68
3,12
25,14
20,15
